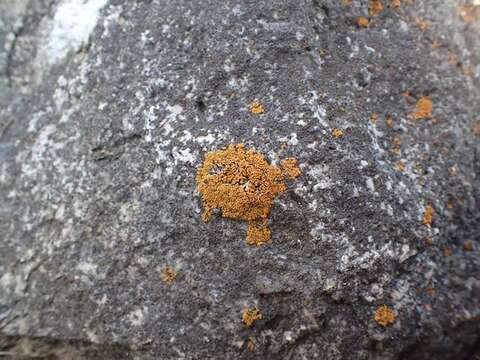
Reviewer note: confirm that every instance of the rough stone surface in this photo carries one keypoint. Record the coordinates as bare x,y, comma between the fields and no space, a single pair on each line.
106,110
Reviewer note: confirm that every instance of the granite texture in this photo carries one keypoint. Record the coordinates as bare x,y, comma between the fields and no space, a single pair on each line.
106,110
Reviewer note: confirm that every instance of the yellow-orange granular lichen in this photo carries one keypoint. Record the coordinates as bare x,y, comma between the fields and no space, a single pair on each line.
249,316
423,25
375,7
396,3
468,245
374,117
168,275
337,133
476,129
400,166
447,252
428,215
423,109
363,22
242,185
251,344
390,122
256,108
469,13
384,316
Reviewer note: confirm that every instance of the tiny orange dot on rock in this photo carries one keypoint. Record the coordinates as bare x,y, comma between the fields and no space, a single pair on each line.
468,245
384,316
363,22
337,133
257,108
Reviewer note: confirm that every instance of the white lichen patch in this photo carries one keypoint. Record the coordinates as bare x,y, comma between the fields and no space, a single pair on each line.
70,29
136,317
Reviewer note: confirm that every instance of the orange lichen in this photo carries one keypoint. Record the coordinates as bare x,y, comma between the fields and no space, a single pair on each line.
290,168
337,133
256,108
469,13
428,215
476,129
384,316
422,24
242,185
396,3
251,344
347,2
400,166
363,22
249,316
447,252
390,122
468,245
374,117
375,7
168,275
423,109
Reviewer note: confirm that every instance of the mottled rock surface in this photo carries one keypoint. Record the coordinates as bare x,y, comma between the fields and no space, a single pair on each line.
106,110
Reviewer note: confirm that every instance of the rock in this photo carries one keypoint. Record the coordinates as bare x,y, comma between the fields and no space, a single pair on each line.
107,109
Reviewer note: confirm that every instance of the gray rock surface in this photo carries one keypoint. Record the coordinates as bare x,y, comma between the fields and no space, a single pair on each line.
107,107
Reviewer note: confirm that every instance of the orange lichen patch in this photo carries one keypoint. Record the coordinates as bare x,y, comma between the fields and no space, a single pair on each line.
258,233
384,316
476,129
347,2
397,145
375,7
363,22
436,44
389,122
400,166
469,13
407,94
283,146
242,185
423,109
168,275
290,168
251,344
428,215
256,108
374,118
249,316
468,245
337,133
429,240
447,252
466,70
396,3
422,24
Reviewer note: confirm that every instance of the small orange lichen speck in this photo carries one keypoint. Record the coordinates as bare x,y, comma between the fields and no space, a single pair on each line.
242,185
337,133
400,166
384,316
390,122
422,24
468,245
447,252
363,22
469,13
396,3
168,275
249,316
423,109
251,344
428,215
374,117
256,108
375,7
476,129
